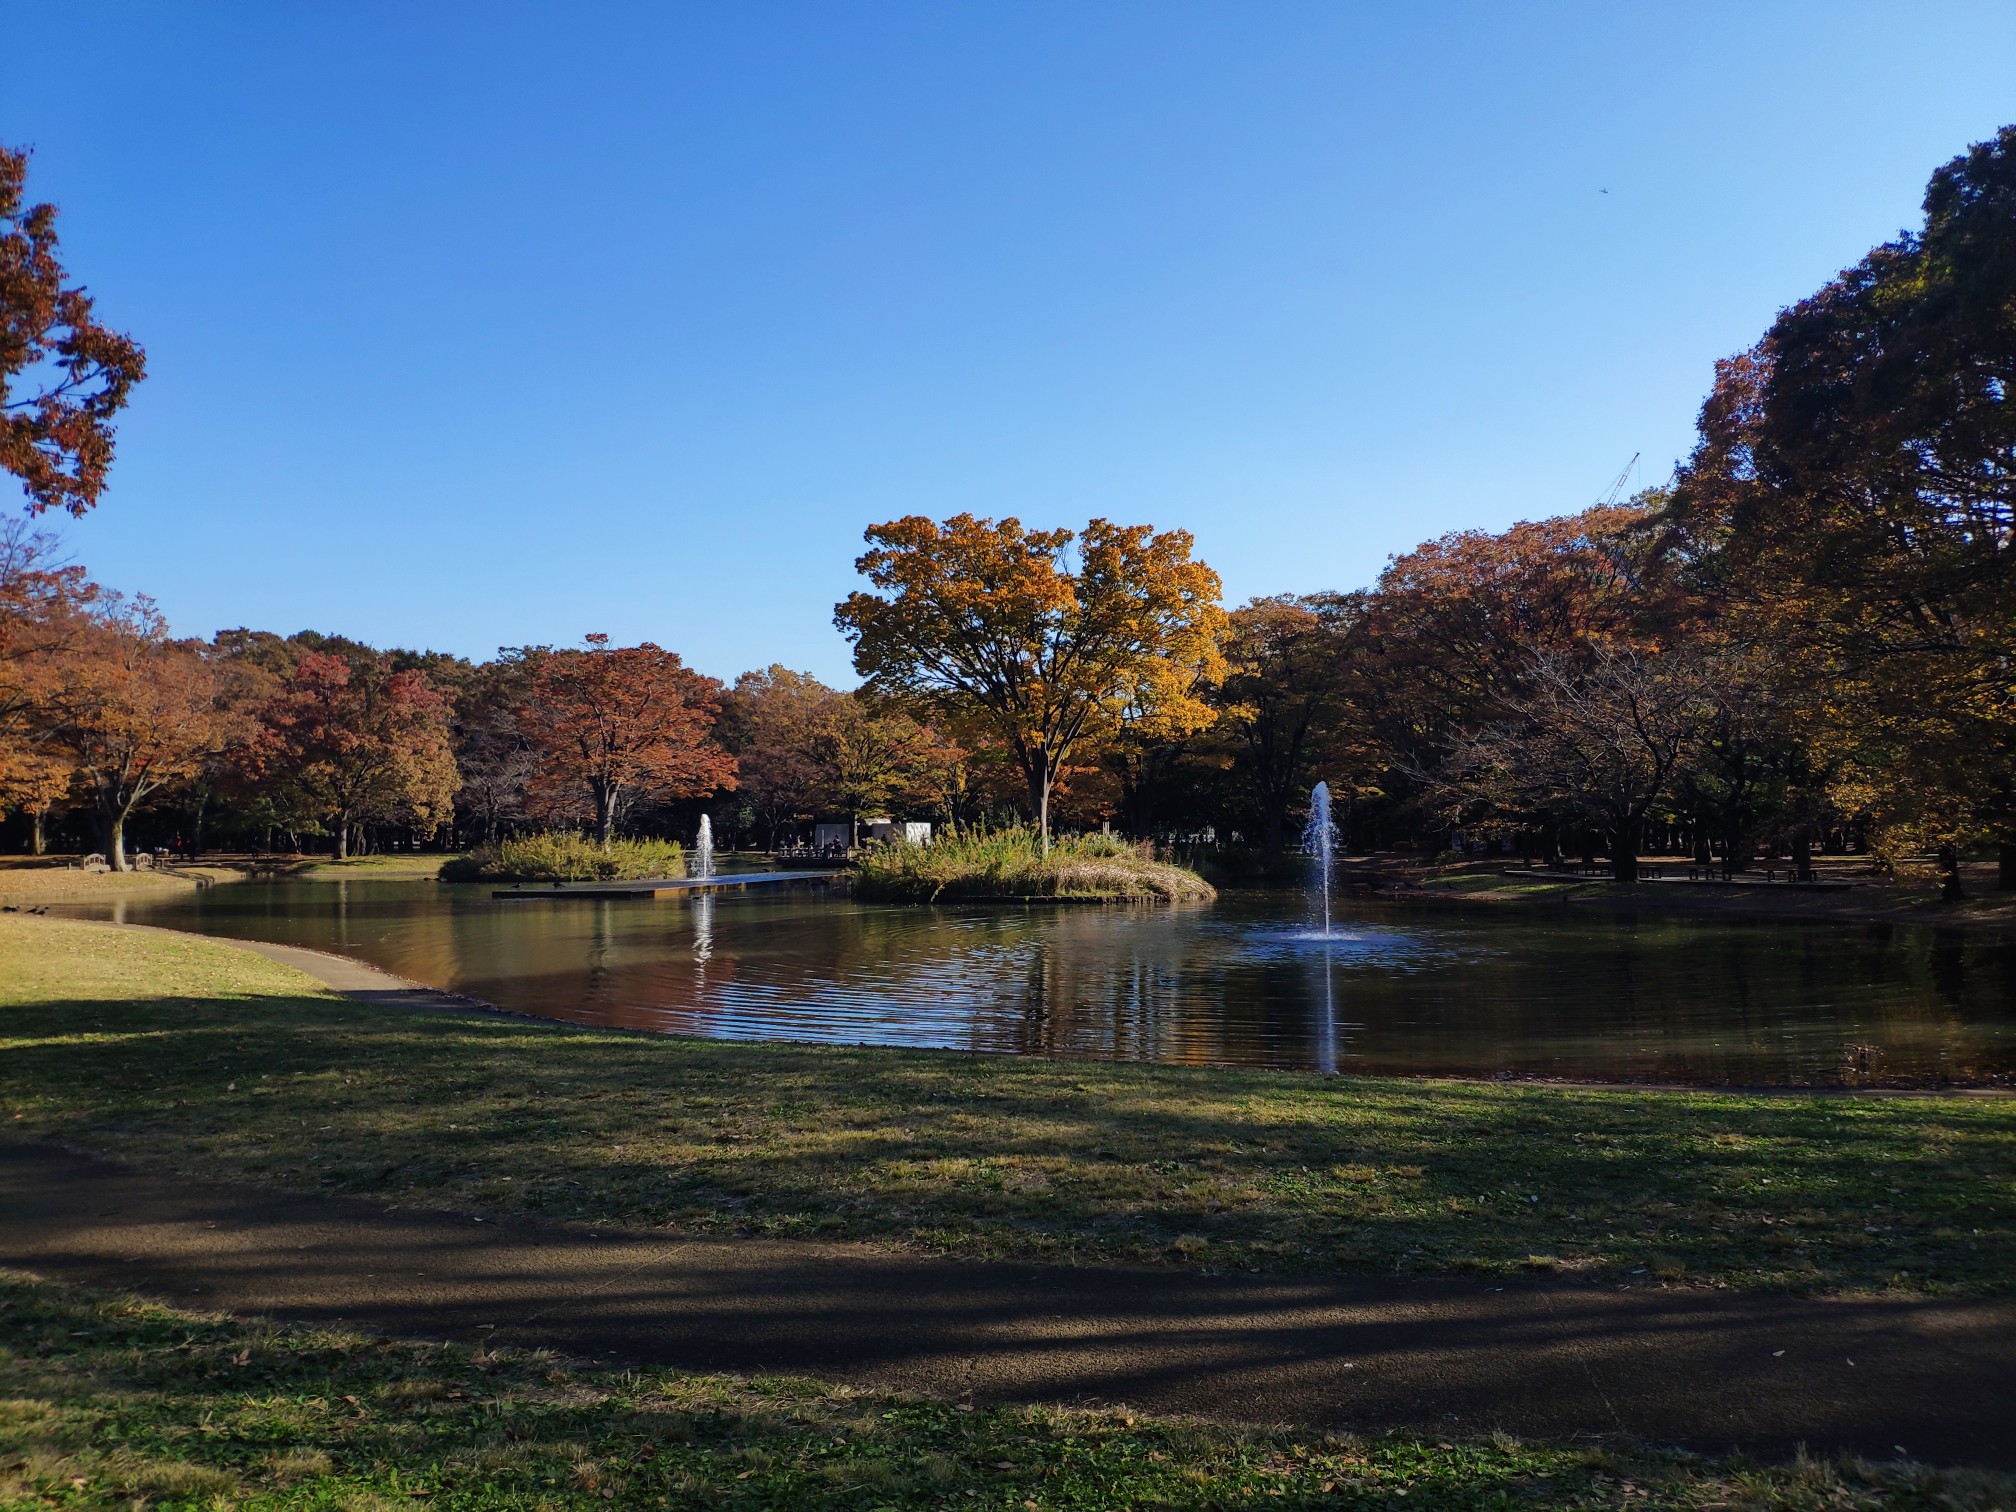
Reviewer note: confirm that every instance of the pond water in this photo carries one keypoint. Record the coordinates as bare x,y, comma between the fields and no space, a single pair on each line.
1423,991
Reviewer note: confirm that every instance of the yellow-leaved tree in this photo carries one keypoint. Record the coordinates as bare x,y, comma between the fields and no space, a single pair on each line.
1041,646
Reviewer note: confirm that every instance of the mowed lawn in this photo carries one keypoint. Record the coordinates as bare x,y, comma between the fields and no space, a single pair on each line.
201,1058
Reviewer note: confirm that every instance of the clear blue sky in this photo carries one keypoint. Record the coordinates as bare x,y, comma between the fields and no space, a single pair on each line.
485,324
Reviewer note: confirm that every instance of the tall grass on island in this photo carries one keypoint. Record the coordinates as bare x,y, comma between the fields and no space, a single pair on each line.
562,857
1004,864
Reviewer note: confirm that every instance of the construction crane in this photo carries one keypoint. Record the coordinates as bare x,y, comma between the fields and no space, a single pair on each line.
1618,487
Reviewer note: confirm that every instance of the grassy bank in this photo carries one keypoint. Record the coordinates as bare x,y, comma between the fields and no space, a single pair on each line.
567,858
404,866
1861,894
114,1403
26,882
1010,864
187,1052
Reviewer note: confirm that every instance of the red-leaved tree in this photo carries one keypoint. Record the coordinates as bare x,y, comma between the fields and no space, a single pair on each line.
613,724
355,744
63,376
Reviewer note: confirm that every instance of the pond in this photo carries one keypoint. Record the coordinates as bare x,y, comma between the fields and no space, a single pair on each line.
1438,991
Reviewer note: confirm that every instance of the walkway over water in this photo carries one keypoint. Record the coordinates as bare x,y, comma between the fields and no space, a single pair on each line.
651,887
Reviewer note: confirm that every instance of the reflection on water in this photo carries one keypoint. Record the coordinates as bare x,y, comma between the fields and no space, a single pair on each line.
1240,983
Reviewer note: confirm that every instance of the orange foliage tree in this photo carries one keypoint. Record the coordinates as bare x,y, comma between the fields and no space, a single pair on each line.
773,722
989,624
353,742
136,712
1283,699
613,724
56,434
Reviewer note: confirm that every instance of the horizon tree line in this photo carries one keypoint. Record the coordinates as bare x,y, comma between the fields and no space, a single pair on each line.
1803,642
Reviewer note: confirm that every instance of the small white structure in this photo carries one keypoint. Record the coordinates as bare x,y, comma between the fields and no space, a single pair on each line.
900,831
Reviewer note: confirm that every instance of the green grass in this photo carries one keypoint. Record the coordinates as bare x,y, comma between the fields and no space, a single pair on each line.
108,1402
402,866
565,857
187,1053
988,865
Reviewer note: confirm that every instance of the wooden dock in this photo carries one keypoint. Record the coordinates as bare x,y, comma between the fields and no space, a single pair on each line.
652,887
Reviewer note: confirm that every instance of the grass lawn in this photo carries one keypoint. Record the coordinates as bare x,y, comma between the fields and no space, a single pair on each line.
1912,896
403,867
189,1053
26,881
108,1402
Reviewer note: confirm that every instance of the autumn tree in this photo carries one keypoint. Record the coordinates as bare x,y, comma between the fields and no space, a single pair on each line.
609,725
63,375
1283,698
776,724
877,759
1856,483
42,609
495,760
1596,737
985,622
1751,766
352,742
34,778
1456,625
137,713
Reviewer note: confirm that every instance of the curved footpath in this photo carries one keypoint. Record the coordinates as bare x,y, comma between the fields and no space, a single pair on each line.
1705,1369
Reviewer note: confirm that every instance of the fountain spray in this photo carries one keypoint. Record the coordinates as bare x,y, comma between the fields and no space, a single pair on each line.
703,849
1319,839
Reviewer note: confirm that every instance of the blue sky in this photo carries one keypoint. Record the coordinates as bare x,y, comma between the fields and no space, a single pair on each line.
490,324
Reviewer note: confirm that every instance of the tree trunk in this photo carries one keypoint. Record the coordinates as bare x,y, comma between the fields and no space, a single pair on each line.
605,820
1950,890
1624,852
1802,854
38,833
1704,851
2005,865
342,838
115,841
1039,796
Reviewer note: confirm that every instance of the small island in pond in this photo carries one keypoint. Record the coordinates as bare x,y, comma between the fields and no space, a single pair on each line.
1013,865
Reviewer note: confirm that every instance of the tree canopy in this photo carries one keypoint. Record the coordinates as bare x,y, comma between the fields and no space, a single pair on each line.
990,624
63,374
611,724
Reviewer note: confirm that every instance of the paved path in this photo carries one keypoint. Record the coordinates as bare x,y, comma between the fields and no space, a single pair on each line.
1710,1370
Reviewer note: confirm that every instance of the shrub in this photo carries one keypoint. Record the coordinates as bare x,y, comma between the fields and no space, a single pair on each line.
1009,863
562,857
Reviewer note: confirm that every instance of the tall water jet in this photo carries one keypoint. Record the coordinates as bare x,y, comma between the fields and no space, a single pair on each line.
1319,839
703,849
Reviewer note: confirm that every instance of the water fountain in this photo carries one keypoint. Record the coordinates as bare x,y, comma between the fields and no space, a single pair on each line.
703,849
1319,839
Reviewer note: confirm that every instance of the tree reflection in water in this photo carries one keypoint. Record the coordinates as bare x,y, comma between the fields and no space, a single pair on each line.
1431,991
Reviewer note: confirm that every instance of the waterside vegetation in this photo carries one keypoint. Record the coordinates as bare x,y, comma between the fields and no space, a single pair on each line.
1012,864
206,1059
560,856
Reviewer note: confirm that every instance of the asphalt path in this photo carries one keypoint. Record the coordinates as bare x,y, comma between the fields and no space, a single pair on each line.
1709,1370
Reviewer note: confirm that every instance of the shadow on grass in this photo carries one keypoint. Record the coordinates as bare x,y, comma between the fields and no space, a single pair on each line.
1032,1158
